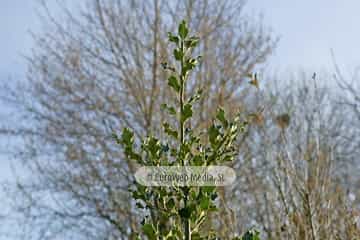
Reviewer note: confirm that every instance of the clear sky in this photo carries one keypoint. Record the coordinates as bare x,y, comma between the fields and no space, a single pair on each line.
308,29
17,17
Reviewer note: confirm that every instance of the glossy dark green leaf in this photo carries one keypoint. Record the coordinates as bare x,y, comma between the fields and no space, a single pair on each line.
186,212
174,83
169,131
213,133
198,160
178,54
149,231
127,137
173,38
196,96
221,117
171,110
192,42
204,202
170,203
190,64
183,29
138,195
154,146
187,112
135,156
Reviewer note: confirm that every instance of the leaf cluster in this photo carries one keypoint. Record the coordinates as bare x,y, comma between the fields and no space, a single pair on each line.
180,212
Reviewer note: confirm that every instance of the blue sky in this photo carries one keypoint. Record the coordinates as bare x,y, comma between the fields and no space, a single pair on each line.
308,29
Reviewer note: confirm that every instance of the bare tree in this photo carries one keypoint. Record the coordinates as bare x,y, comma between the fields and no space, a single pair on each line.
348,99
294,167
99,71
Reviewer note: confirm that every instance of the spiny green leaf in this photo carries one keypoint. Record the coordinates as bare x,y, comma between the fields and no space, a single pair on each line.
153,147
187,112
138,195
213,133
173,38
192,42
196,96
127,137
221,117
173,82
178,54
135,156
149,231
198,160
190,64
171,110
183,29
169,131
170,203
186,211
204,202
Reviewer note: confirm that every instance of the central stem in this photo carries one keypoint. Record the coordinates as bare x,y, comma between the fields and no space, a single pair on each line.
182,89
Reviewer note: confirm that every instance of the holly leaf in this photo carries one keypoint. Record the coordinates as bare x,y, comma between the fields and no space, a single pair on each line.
196,96
204,202
190,64
169,131
174,83
127,137
213,133
192,42
173,38
186,211
149,231
197,160
178,54
186,112
251,235
221,117
183,29
171,110
170,203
